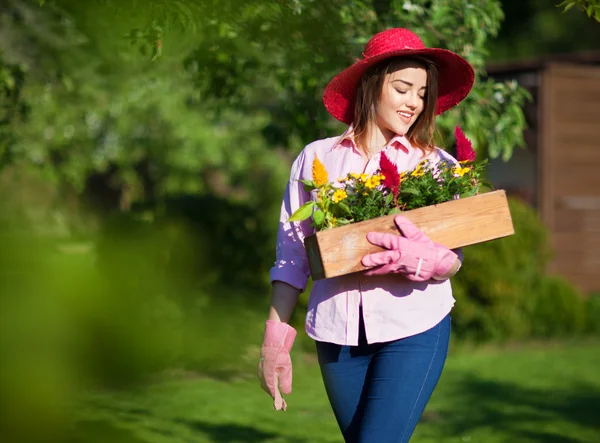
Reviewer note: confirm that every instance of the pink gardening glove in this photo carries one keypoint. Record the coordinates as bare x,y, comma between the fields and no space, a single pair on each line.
275,366
413,254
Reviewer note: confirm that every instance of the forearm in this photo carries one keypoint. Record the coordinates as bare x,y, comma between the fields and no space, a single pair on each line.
283,301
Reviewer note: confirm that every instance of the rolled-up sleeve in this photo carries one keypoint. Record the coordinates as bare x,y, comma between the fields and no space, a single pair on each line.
291,264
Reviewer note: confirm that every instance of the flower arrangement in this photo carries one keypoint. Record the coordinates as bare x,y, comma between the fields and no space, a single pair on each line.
359,197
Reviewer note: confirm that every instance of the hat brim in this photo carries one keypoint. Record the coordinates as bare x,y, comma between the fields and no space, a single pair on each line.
455,74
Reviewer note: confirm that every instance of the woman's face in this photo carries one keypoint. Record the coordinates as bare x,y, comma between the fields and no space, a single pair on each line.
402,100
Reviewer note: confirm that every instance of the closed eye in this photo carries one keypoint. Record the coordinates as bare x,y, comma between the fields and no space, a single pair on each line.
422,97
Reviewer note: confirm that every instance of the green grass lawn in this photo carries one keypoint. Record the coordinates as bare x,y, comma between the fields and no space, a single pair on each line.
537,393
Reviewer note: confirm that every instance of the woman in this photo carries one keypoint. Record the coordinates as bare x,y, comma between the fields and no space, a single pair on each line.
381,335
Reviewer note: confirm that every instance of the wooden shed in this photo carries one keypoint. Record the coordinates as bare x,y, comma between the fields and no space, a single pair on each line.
559,171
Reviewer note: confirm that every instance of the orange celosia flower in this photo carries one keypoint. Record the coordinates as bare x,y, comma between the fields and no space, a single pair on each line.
319,172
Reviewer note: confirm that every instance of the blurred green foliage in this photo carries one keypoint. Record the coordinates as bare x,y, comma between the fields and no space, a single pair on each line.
233,97
145,298
537,29
503,292
592,310
590,7
12,108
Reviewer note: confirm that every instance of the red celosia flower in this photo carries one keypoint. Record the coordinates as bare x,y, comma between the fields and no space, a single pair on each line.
391,174
464,148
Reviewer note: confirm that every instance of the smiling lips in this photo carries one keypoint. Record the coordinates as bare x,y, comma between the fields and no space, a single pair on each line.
405,116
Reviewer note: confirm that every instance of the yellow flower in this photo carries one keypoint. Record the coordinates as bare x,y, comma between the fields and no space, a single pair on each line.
418,172
364,177
370,183
459,171
339,195
319,172
373,181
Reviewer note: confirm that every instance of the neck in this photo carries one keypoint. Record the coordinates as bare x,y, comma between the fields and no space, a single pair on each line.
378,138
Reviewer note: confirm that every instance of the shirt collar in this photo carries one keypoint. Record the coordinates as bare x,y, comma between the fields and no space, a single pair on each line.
347,141
400,142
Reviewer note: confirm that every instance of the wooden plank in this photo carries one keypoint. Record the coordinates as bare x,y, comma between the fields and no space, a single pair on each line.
576,71
585,151
579,159
584,281
578,140
570,141
581,85
586,128
581,95
577,181
569,219
574,261
583,205
546,150
587,243
455,224
574,109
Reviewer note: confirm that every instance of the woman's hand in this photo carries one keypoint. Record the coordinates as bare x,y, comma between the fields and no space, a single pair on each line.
413,254
275,366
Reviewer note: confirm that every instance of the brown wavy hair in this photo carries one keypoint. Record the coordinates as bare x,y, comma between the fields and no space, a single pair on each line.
420,134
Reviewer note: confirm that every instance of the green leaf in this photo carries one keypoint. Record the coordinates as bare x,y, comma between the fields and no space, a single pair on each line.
156,50
9,82
388,199
487,184
466,194
567,5
344,207
318,217
309,185
396,211
412,191
42,2
303,212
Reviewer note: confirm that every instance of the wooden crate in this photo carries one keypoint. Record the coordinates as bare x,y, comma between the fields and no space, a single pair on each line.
455,224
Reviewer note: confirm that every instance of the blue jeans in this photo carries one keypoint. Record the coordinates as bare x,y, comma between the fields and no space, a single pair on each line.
379,391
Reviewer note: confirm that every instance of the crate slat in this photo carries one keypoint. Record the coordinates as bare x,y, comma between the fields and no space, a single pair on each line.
455,224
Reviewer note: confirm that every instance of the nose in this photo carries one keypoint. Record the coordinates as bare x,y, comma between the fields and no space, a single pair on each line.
412,101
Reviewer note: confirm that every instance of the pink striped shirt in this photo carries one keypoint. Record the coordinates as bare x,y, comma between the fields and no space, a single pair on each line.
393,307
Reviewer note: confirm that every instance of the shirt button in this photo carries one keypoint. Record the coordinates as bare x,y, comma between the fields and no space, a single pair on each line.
366,315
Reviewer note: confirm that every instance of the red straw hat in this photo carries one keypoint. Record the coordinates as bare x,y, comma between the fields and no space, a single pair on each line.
456,75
